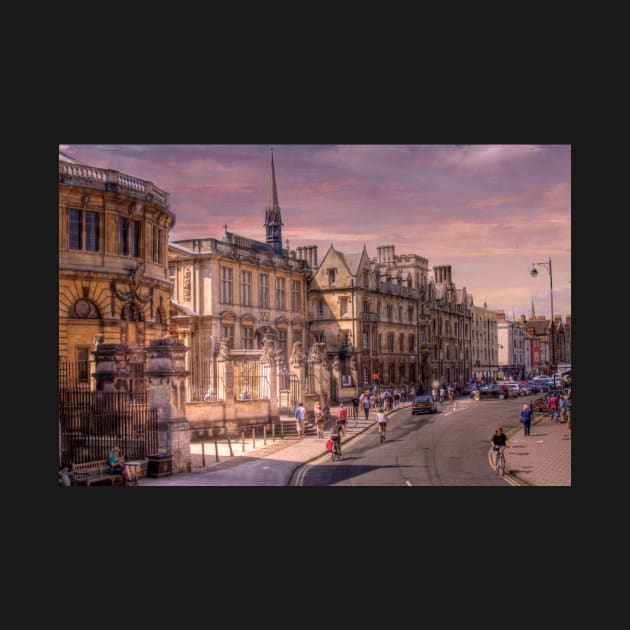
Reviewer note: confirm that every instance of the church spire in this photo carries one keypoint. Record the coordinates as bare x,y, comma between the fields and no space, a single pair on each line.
533,313
273,218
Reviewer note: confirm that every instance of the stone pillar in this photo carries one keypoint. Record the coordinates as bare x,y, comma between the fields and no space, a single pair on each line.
166,375
110,372
269,362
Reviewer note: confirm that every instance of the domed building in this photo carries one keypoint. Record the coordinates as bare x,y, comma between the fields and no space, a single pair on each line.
114,286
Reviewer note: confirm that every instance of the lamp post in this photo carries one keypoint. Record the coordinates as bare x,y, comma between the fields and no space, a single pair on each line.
534,273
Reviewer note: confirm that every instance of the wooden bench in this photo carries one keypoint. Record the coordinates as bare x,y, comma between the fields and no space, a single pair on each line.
92,472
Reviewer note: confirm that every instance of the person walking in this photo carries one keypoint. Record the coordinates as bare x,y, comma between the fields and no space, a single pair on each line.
554,414
526,418
355,410
342,414
300,415
365,401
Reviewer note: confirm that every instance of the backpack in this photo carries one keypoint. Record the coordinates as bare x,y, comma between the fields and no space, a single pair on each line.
297,413
329,445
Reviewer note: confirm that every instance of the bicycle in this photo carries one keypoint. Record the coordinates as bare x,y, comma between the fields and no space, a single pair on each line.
335,453
500,465
381,431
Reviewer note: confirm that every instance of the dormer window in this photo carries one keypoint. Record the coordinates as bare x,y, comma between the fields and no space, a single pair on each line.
332,276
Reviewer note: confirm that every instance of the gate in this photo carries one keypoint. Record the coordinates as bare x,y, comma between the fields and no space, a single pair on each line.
92,423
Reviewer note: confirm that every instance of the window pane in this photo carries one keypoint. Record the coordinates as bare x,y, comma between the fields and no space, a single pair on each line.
74,229
123,236
91,231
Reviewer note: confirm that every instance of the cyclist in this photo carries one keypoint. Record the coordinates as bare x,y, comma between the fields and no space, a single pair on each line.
498,443
335,436
381,418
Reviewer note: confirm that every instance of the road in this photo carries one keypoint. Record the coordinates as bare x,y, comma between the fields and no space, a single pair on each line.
449,448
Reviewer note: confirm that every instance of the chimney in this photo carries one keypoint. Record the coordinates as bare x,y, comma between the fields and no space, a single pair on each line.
500,316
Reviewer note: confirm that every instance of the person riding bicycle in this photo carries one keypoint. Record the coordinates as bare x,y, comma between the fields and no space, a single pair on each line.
335,435
498,443
381,418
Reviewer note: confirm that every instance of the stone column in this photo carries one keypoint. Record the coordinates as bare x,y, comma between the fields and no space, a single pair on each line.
269,362
111,373
167,394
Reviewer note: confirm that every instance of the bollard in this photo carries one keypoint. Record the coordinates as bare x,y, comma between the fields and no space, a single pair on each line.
230,446
243,440
216,450
264,435
273,431
282,430
203,454
253,437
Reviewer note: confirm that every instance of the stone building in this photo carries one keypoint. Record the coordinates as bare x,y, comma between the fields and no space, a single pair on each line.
113,275
240,306
450,312
511,338
484,344
365,312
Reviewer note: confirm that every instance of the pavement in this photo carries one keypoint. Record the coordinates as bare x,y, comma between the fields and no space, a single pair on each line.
542,459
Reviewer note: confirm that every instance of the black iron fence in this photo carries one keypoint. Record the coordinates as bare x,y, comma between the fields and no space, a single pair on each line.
91,423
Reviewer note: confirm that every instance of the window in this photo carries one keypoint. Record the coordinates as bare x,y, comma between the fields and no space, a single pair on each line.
400,312
75,229
83,355
401,340
391,374
346,338
280,294
171,275
227,330
366,307
364,340
390,342
226,285
157,245
134,238
264,291
91,231
389,311
296,302
83,227
319,337
366,279
282,343
320,309
123,236
366,376
246,288
343,307
248,337
129,237
332,275
412,343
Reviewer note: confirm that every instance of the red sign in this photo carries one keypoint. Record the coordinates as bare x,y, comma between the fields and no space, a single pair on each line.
375,377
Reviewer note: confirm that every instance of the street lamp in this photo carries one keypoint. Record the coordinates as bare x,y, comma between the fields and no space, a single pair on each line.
534,273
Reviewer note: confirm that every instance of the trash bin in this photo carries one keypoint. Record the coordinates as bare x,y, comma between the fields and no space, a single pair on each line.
159,465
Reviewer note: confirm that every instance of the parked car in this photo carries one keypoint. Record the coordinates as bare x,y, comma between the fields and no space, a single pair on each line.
423,404
468,388
517,389
492,390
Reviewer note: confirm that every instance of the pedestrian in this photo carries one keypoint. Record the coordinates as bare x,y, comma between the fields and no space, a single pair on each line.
355,410
442,393
319,422
342,414
553,407
300,415
116,466
365,401
526,418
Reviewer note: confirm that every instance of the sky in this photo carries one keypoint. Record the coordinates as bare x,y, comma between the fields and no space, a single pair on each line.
489,211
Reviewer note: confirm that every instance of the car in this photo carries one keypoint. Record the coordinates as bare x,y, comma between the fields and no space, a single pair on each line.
468,388
423,404
517,389
492,390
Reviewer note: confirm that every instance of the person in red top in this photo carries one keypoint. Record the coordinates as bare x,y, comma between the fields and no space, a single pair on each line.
342,414
553,408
